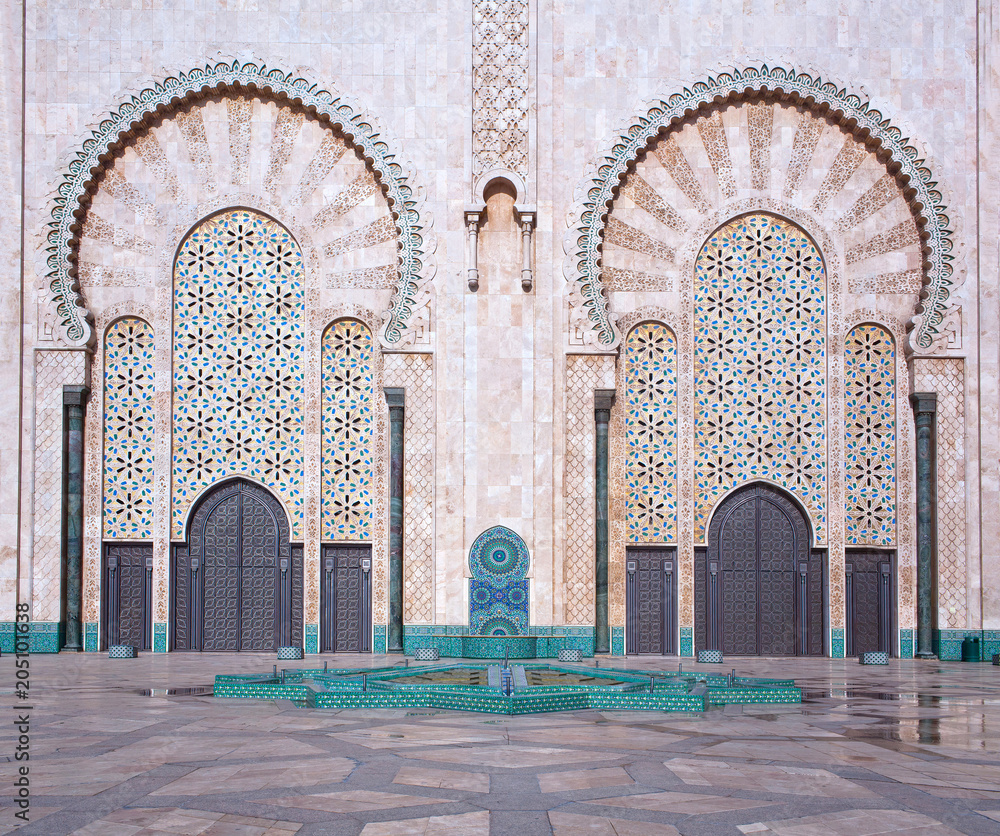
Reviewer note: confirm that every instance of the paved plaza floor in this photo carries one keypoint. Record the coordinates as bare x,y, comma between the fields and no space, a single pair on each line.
129,747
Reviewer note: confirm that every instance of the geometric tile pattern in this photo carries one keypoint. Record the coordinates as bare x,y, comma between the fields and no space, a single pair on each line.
946,377
498,590
128,430
500,86
348,420
651,434
238,360
870,436
760,364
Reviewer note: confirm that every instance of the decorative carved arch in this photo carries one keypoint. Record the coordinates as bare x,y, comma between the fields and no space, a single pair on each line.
132,118
869,126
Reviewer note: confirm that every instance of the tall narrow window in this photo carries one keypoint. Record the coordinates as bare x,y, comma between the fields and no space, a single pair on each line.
760,364
870,442
651,434
348,424
238,360
128,430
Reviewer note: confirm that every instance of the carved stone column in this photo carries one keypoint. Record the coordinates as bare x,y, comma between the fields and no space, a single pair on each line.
603,401
75,408
925,414
395,398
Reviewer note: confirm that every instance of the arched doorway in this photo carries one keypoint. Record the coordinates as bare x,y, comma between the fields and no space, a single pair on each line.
238,580
762,583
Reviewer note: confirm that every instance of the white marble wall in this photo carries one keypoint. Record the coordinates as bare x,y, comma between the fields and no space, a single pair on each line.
592,66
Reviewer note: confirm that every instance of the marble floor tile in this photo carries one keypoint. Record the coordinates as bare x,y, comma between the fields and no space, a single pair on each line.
350,801
680,802
510,757
765,778
464,824
584,779
448,779
853,823
571,824
208,780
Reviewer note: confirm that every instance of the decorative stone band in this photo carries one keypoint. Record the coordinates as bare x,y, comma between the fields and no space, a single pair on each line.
132,117
584,238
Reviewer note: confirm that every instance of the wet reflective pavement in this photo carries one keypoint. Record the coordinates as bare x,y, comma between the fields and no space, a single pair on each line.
137,747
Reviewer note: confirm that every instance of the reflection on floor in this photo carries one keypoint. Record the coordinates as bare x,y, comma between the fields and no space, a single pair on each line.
909,749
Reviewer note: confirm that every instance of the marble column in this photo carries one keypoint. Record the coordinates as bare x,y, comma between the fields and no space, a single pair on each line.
75,408
925,414
603,401
395,399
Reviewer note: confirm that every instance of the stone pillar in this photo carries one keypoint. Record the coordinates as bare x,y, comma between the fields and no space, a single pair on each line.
75,408
925,413
603,401
394,397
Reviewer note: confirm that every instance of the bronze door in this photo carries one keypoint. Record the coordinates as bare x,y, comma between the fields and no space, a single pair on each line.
869,592
760,577
127,592
651,600
346,618
236,579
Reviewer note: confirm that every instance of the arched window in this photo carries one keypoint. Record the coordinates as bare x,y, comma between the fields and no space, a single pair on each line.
348,425
760,364
128,430
870,436
651,434
238,360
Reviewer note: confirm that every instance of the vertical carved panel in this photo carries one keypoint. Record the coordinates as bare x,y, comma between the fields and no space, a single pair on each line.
499,86
760,364
870,436
258,575
346,599
128,430
221,574
127,595
348,423
651,434
946,377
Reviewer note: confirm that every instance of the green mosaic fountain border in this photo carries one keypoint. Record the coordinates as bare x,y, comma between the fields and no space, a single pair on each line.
634,690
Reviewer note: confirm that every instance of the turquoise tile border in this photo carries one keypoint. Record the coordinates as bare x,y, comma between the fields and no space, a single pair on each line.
160,637
618,641
7,630
906,644
837,643
549,640
948,644
379,642
687,641
312,638
91,637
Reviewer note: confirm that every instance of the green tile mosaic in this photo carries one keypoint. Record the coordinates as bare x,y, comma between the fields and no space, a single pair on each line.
91,637
7,630
906,644
947,644
379,640
160,637
687,641
837,645
618,641
311,644
45,636
465,687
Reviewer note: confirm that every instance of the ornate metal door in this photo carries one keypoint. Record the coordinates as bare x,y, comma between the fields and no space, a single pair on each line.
869,592
651,600
237,579
126,613
346,621
760,576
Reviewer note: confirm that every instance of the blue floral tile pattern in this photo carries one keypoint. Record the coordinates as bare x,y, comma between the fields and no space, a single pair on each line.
238,360
499,589
760,365
128,430
651,434
870,436
348,424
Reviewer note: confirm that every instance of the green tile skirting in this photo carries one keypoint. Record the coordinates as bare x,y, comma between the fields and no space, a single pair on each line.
948,644
837,643
91,637
906,644
628,690
43,636
448,639
160,637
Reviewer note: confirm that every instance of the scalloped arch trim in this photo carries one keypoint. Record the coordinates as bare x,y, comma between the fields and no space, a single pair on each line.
863,120
164,96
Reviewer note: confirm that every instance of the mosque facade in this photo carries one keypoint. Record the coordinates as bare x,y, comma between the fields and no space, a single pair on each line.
641,329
